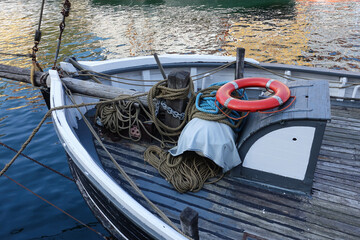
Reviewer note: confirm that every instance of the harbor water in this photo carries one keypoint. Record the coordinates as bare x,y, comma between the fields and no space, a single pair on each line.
320,33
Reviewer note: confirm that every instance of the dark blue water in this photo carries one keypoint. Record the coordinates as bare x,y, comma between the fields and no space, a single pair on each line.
315,33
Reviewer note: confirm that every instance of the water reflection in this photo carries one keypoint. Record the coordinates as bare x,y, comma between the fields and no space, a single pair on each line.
271,36
302,32
199,3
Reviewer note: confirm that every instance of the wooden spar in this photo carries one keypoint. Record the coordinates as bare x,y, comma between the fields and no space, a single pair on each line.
75,85
159,65
18,74
79,67
100,90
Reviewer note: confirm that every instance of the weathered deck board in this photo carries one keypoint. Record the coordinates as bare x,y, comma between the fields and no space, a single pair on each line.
229,208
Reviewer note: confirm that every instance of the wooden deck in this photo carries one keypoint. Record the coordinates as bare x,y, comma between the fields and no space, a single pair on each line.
229,209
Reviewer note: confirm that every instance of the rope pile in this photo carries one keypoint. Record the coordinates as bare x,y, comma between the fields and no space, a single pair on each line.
119,117
188,172
203,106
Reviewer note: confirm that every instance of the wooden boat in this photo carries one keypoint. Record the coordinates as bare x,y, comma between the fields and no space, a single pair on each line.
299,176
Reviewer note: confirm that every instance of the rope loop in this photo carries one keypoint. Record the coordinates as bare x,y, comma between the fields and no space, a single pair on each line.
282,109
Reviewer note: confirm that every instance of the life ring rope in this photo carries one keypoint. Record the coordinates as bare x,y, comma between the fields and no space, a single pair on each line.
282,109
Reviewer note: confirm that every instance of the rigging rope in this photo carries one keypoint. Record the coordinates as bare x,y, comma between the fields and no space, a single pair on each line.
16,54
41,164
65,12
35,49
108,77
58,208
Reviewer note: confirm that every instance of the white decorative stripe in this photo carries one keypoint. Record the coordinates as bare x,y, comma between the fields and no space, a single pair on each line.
279,99
227,101
235,85
268,84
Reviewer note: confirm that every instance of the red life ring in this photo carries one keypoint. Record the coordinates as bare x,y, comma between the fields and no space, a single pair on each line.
282,94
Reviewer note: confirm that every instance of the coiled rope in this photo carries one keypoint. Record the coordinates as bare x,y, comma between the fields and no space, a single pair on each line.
204,107
188,172
119,117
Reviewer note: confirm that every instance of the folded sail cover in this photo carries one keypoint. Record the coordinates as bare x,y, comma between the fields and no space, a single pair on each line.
211,139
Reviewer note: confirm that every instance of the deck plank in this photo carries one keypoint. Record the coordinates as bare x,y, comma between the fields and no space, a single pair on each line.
228,208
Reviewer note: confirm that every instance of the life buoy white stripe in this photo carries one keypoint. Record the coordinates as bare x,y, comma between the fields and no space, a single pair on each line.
227,101
235,85
279,99
267,86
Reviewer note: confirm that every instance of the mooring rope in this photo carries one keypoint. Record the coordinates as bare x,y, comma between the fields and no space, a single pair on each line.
48,113
37,162
58,208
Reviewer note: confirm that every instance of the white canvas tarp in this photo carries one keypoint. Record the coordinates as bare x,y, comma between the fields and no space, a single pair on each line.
211,139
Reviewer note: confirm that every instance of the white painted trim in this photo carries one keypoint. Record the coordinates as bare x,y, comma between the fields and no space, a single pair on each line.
111,64
96,174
